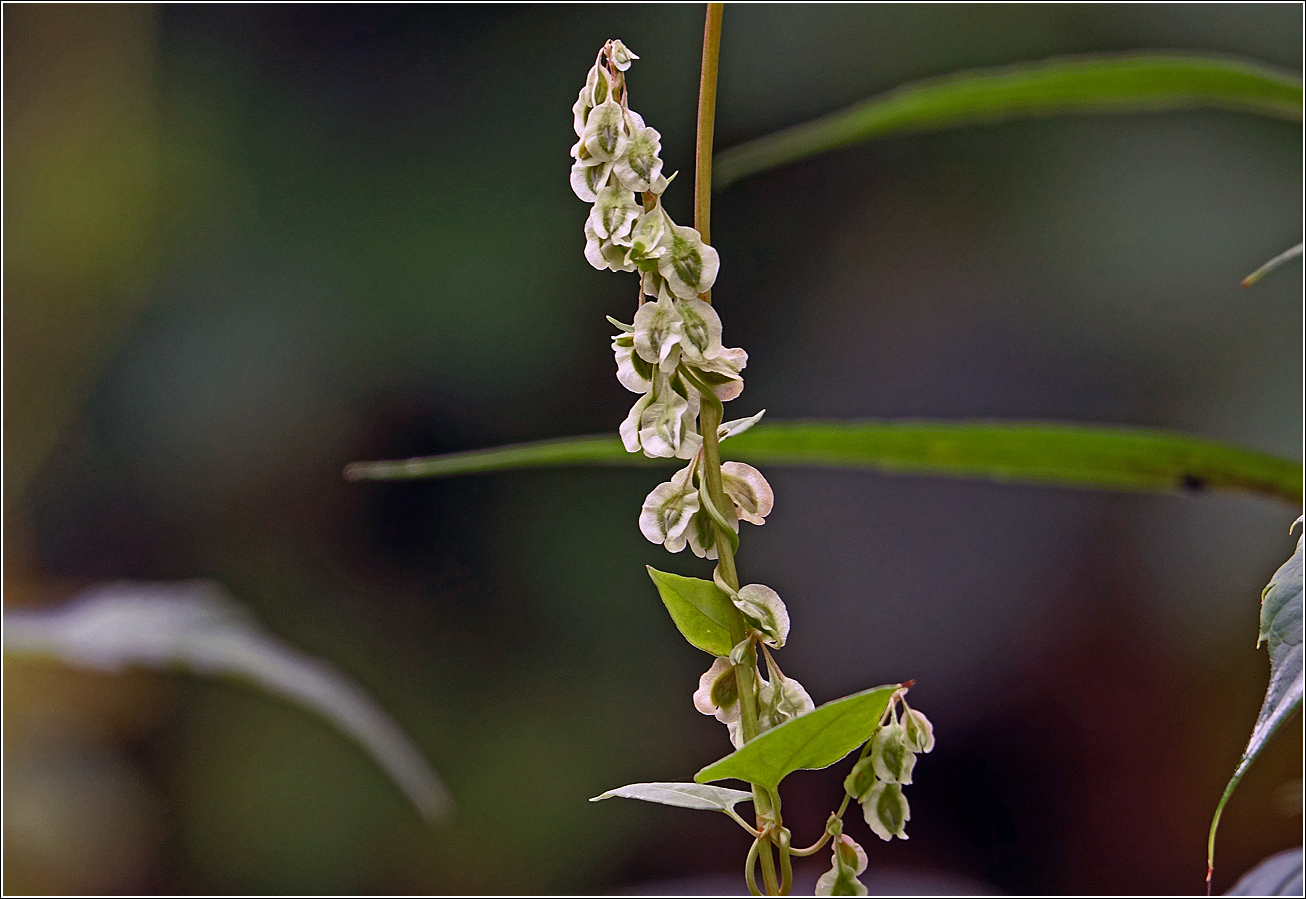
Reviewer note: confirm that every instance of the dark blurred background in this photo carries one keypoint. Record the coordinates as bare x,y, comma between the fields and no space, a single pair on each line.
245,245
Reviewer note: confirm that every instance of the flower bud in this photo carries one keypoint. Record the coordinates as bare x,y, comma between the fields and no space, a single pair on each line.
893,760
640,166
620,55
668,509
646,240
615,210
780,700
861,779
919,731
748,490
598,87
658,333
886,811
764,608
718,695
634,373
588,177
605,131
701,330
691,266
848,861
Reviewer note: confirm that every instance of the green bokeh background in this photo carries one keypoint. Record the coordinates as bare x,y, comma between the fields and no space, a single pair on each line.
245,245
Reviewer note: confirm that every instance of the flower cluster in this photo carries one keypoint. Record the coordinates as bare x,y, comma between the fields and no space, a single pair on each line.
618,169
670,355
877,780
779,699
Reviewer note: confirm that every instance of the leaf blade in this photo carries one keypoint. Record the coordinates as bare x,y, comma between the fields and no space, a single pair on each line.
700,610
195,625
1281,628
1103,83
1073,455
816,739
696,796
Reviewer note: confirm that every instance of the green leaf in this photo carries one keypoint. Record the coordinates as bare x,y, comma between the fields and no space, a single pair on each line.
195,625
1077,84
700,609
1281,628
1101,456
815,740
703,796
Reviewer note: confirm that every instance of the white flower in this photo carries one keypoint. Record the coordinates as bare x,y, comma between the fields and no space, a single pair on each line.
588,177
658,330
614,212
640,166
691,266
647,236
849,860
766,611
605,131
718,695
748,490
668,426
890,755
629,429
634,373
701,330
738,426
668,509
918,731
664,421
702,535
619,54
886,811
603,253
780,700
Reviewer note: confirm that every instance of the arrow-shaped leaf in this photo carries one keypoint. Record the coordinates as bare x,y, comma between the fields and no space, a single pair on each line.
817,739
700,609
1281,629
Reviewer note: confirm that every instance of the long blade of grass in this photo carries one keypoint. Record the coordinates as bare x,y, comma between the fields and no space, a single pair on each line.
1075,84
1109,457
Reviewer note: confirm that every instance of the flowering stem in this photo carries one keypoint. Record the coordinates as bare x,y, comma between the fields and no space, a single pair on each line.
710,420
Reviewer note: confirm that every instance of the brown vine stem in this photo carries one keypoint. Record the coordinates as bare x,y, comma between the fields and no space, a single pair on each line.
710,420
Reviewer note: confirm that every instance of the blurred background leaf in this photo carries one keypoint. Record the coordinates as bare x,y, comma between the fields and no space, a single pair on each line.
1089,84
195,626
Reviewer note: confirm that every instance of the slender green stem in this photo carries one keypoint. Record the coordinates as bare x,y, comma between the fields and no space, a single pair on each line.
710,420
786,866
707,121
749,863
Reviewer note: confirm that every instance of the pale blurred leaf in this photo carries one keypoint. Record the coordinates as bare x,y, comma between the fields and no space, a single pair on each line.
196,626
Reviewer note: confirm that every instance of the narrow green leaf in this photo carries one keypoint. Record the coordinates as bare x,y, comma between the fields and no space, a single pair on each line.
700,609
702,796
1114,83
1281,628
1102,456
815,740
195,625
